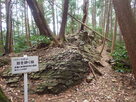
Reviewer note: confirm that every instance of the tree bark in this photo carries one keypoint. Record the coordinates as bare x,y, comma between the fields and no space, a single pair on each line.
101,15
53,16
127,25
107,28
104,17
39,18
111,19
94,13
1,35
114,36
64,20
27,28
9,35
85,13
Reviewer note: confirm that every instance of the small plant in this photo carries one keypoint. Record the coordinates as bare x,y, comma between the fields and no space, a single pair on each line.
40,41
121,60
20,43
37,39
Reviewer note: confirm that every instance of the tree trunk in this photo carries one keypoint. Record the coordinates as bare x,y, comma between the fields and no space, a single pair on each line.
57,21
104,17
33,26
1,35
111,19
127,25
9,36
64,20
39,18
53,15
94,13
101,16
27,28
85,13
41,5
114,36
107,28
22,22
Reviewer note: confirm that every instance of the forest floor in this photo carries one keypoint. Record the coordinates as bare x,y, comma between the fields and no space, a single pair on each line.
111,87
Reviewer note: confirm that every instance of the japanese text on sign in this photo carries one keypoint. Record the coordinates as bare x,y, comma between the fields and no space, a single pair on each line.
24,64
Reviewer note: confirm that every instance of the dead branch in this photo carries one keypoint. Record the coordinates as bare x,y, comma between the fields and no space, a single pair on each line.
95,69
92,71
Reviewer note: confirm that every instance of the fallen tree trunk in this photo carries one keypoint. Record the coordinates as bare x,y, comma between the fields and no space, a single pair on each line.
89,27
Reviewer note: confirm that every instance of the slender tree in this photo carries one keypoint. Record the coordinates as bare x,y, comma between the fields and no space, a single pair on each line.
53,16
111,18
39,19
107,28
114,36
104,16
1,34
64,20
127,25
9,36
27,27
94,13
85,13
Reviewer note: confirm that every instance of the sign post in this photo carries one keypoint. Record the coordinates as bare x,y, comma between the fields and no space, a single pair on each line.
25,88
24,65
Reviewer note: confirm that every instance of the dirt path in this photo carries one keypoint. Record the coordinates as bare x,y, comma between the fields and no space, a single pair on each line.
111,87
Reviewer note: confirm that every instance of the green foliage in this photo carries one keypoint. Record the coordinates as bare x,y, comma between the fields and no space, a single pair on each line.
121,59
20,43
98,29
37,39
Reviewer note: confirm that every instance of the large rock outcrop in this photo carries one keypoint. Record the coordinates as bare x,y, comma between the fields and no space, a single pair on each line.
56,74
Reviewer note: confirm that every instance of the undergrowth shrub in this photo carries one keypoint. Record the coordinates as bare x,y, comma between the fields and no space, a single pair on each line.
20,43
121,59
38,39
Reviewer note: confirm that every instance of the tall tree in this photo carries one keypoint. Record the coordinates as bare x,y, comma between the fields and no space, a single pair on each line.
111,18
64,20
41,5
85,13
9,36
27,27
94,13
1,35
39,19
104,16
127,25
53,16
107,28
114,36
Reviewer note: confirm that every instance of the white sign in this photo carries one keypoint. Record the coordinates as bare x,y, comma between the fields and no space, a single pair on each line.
24,64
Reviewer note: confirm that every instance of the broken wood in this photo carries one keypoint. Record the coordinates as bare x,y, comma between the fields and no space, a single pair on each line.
88,27
95,69
92,71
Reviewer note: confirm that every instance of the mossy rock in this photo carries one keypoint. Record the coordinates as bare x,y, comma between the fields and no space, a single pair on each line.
3,98
61,72
56,74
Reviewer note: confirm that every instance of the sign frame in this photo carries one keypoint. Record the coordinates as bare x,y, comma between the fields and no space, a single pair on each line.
31,65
